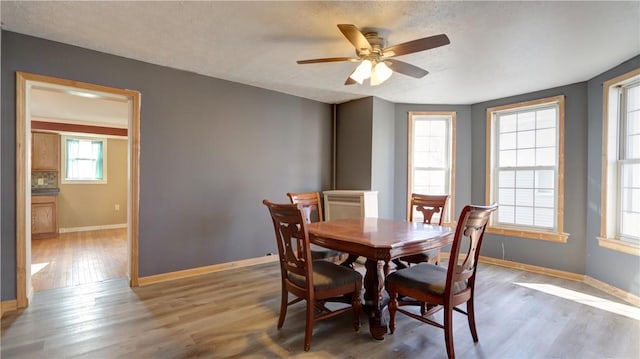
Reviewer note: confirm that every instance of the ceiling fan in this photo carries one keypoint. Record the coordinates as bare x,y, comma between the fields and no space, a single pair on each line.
378,62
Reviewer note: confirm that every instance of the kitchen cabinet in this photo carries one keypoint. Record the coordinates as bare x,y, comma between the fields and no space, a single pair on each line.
44,217
45,151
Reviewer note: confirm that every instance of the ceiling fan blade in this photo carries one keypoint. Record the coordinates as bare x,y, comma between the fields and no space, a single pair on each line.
350,81
418,45
353,34
327,59
406,69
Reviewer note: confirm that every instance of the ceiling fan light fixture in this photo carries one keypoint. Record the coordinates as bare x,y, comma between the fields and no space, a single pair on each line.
380,73
372,54
362,72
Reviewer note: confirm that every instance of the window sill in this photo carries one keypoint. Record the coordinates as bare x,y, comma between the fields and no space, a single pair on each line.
620,246
543,236
65,181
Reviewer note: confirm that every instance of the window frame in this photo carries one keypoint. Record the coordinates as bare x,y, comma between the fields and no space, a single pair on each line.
556,234
63,158
450,215
610,209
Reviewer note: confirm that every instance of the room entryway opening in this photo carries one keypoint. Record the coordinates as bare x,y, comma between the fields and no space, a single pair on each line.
77,184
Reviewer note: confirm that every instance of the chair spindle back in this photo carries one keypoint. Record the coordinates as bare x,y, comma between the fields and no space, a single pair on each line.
293,240
428,205
472,223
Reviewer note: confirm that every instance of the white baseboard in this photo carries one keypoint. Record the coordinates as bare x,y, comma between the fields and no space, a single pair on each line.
91,228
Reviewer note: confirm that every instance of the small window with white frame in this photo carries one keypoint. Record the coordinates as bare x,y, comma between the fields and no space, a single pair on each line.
525,164
431,158
84,160
620,213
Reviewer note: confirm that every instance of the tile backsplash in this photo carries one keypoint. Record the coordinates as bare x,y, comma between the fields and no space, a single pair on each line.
48,179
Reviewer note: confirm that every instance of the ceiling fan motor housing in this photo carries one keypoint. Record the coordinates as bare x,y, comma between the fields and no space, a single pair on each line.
377,43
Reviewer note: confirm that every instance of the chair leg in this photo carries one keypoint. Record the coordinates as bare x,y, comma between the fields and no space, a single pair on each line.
425,307
356,306
393,307
471,317
349,262
435,260
309,327
284,299
399,264
448,330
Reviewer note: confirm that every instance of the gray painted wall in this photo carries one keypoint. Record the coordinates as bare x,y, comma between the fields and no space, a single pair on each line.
463,149
568,256
365,149
211,150
354,128
382,155
616,268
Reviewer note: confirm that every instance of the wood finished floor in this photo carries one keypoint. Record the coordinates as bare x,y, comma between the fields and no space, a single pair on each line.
77,258
233,314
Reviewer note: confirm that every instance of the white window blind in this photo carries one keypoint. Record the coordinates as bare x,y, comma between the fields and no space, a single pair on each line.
431,157
525,164
525,173
84,159
629,163
620,192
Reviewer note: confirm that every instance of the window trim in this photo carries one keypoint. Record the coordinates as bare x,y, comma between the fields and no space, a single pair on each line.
452,177
605,240
63,166
558,234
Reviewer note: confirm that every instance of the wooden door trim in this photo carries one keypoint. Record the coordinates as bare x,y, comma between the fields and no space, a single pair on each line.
22,169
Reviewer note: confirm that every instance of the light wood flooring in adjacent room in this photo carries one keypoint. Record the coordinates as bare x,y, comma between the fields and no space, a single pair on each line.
78,258
233,314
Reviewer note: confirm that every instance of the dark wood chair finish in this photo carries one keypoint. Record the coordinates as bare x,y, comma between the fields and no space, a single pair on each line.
316,282
311,204
428,205
312,207
445,289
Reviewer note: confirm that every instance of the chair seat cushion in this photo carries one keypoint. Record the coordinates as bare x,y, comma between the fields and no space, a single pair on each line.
421,257
318,252
424,277
327,275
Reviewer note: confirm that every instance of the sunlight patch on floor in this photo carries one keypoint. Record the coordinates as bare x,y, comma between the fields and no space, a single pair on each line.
622,309
37,267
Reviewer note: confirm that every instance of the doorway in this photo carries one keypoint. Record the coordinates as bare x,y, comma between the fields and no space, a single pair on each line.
26,83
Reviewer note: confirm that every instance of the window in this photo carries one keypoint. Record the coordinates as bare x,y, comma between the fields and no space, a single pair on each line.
620,224
629,162
432,158
525,163
84,160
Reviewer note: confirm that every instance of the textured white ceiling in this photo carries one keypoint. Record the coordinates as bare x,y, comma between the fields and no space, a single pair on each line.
497,48
62,104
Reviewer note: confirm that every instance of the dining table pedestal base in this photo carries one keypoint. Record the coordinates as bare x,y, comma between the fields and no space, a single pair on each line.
374,300
379,240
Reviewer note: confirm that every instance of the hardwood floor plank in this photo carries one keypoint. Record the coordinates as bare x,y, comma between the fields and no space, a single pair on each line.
79,258
233,314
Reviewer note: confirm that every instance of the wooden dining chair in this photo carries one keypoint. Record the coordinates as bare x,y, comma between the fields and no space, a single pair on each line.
312,207
428,205
316,282
444,288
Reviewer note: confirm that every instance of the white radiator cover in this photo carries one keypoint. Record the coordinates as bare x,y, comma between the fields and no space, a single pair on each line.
341,204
